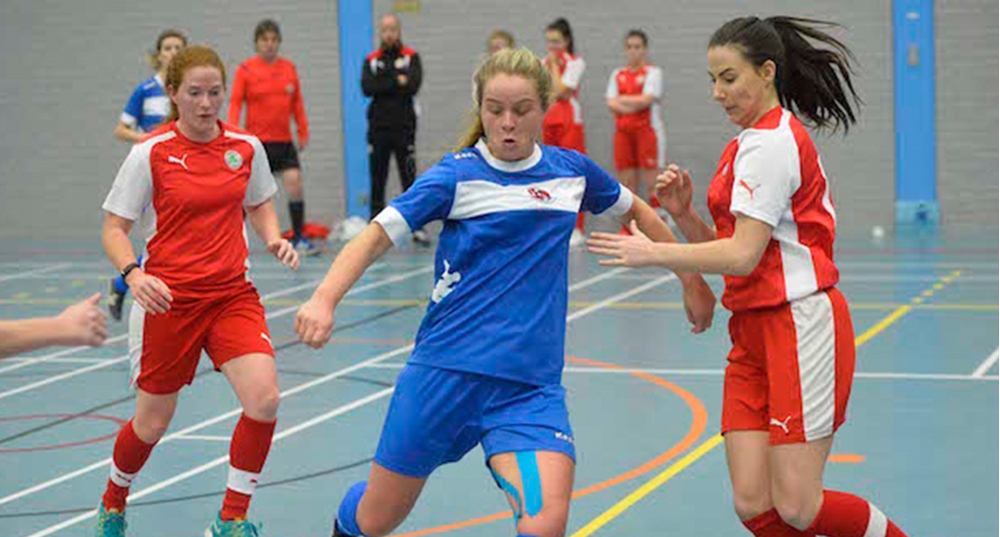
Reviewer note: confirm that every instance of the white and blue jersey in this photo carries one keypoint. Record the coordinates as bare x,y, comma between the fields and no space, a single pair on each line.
148,106
498,307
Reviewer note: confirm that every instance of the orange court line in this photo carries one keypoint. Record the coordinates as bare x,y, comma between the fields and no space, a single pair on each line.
850,458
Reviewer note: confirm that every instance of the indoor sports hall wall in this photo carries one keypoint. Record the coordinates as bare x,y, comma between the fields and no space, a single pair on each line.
450,36
67,68
967,113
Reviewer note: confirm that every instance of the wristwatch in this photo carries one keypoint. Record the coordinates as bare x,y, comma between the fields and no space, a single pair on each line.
129,268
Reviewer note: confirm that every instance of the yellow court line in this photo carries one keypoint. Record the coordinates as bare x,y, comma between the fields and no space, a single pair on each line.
628,501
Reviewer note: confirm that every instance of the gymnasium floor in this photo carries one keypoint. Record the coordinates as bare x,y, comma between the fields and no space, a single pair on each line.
644,396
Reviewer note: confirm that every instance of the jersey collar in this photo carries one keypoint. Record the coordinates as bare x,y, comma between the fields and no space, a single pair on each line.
509,166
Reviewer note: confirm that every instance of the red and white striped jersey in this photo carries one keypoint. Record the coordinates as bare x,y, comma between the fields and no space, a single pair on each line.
198,244
772,173
568,111
647,80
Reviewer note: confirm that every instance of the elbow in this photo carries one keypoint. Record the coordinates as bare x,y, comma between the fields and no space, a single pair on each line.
745,263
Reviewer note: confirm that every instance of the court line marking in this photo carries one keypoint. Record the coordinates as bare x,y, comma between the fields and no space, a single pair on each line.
28,273
274,314
631,499
987,364
720,372
221,460
301,387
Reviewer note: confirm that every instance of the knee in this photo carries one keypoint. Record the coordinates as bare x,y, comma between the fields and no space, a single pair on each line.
797,508
549,522
263,406
379,524
151,426
749,503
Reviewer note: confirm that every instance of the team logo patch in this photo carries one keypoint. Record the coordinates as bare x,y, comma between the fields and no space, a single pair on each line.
233,159
540,195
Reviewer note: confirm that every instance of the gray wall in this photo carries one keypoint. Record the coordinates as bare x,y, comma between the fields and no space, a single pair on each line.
450,36
966,62
67,68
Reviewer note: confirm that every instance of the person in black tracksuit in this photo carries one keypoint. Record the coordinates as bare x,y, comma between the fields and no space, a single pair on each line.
391,76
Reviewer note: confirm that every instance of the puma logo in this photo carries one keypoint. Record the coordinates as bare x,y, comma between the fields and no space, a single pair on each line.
744,184
443,287
782,424
174,160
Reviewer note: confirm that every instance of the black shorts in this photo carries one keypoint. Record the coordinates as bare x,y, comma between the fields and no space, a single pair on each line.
281,156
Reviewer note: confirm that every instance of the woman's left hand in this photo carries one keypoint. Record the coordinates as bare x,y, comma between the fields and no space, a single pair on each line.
634,250
284,252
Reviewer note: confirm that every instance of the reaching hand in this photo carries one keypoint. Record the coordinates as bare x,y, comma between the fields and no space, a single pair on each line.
284,252
314,322
83,323
674,189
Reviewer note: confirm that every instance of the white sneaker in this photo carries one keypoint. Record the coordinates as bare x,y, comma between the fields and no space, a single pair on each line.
577,239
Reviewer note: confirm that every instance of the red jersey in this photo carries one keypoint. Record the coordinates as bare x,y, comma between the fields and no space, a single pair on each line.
772,173
273,96
567,111
647,80
198,242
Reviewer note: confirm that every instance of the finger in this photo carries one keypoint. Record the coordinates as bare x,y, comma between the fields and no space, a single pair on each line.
610,252
611,262
162,289
687,177
101,332
157,302
94,299
298,323
599,235
634,227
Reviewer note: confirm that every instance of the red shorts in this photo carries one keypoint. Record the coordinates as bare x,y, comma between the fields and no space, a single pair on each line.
640,148
790,369
565,136
165,348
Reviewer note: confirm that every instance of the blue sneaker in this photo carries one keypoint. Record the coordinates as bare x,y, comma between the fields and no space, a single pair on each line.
232,528
110,523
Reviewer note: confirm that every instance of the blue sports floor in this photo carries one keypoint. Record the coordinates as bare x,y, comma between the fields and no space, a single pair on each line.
921,439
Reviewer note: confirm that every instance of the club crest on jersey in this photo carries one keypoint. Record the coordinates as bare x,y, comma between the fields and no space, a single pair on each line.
233,159
540,194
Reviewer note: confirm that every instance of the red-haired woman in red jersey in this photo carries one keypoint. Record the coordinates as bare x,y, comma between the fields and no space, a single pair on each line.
192,291
792,360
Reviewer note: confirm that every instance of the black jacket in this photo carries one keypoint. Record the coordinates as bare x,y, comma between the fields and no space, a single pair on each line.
392,104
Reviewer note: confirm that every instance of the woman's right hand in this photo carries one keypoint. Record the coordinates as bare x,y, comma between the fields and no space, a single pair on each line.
150,292
314,322
674,189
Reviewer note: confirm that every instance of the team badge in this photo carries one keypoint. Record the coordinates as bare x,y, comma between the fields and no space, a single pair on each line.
233,159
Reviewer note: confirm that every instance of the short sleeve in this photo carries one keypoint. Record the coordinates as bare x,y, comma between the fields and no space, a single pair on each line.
428,199
133,108
654,83
603,194
765,174
133,187
574,73
261,186
612,91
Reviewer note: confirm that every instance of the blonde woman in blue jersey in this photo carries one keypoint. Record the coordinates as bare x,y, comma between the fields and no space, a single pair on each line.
487,364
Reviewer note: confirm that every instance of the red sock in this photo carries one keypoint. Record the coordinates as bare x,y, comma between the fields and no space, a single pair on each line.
579,220
247,453
129,456
769,524
846,515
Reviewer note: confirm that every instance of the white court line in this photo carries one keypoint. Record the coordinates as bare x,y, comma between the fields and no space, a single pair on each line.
27,273
272,315
721,372
987,364
293,430
62,360
219,461
205,437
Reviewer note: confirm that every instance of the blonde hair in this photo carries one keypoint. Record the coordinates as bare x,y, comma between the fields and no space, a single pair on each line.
185,60
502,34
511,61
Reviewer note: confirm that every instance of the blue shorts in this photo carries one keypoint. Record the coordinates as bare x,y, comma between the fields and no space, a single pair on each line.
438,415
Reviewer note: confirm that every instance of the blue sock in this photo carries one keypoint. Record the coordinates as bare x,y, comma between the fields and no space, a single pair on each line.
346,516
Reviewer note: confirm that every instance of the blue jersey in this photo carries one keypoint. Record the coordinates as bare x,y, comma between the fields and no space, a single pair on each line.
498,307
147,107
